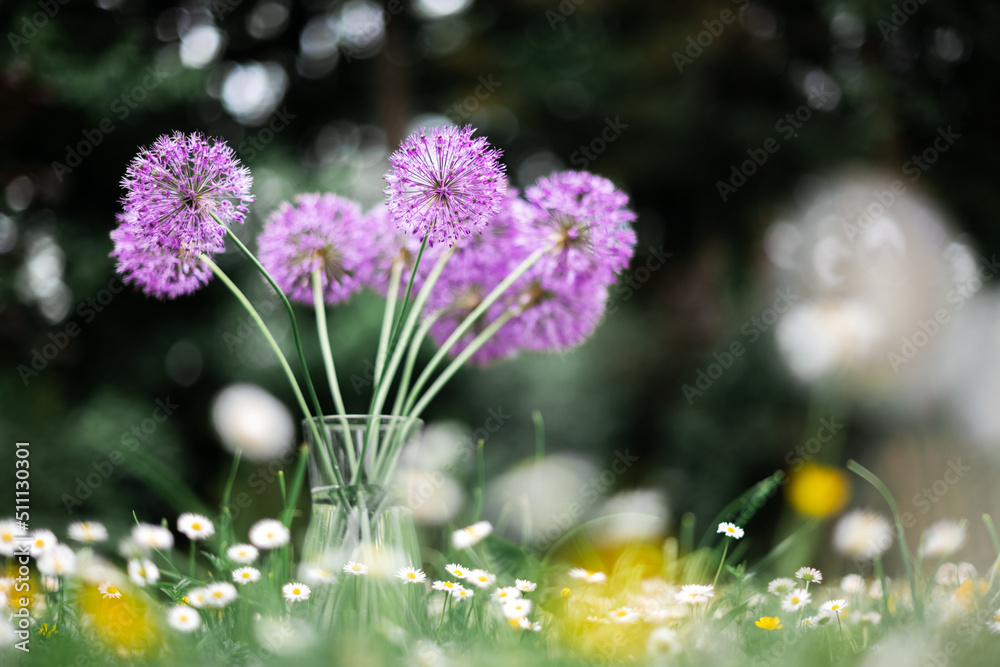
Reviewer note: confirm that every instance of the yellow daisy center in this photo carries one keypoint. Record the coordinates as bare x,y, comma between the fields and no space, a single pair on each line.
195,526
112,590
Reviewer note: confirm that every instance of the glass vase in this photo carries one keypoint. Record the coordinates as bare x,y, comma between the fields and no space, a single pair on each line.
359,536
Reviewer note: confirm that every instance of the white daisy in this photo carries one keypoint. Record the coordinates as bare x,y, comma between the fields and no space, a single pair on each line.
624,615
588,576
356,569
447,586
730,530
506,593
525,624
943,538
809,575
796,600
994,625
481,578
516,608
695,594
525,585
780,586
461,594
833,608
143,571
316,575
457,571
810,622
149,536
195,526
58,561
269,534
219,594
10,530
51,584
198,597
244,554
183,618
852,583
463,538
872,617
6,585
87,531
411,575
42,541
663,641
108,591
246,575
295,592
862,534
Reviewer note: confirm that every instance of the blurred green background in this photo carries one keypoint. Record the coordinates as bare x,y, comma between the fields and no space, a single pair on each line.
342,83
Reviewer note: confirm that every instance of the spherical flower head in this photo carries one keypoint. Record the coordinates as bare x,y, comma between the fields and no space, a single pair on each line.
195,526
143,571
463,538
155,269
87,531
269,534
862,534
242,553
780,586
943,538
768,623
695,594
833,608
796,600
59,561
219,594
411,575
296,592
444,184
392,248
586,222
246,575
357,569
183,618
809,574
321,232
730,530
174,188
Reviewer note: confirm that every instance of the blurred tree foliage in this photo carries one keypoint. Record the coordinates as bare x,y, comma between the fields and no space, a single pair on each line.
551,75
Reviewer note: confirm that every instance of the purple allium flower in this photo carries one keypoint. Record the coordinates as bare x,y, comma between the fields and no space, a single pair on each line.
173,188
158,271
444,184
586,218
393,247
320,232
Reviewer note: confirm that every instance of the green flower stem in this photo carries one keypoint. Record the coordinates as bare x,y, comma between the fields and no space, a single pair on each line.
722,562
297,480
277,351
226,518
992,530
291,316
411,359
904,551
395,275
457,362
331,372
397,351
880,573
467,324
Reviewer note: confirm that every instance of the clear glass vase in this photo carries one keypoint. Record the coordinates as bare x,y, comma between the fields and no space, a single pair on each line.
356,519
